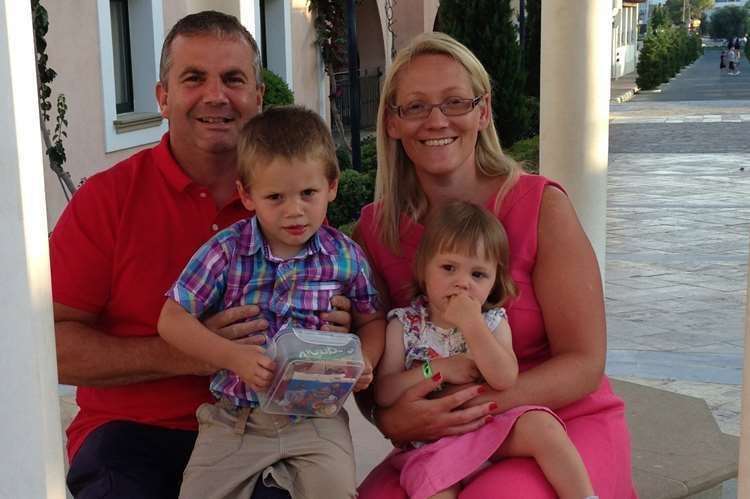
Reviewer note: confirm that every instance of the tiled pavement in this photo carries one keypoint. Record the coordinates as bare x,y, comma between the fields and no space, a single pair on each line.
677,250
677,239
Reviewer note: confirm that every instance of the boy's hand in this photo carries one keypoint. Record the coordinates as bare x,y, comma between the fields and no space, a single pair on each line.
457,370
461,308
253,366
365,378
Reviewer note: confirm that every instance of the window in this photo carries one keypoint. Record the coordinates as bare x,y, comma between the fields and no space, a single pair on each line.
130,38
121,55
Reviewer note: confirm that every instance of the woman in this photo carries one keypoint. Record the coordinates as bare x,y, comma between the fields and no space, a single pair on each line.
437,142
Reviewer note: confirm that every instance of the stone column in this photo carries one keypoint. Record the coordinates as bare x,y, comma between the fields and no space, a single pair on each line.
743,482
574,108
30,412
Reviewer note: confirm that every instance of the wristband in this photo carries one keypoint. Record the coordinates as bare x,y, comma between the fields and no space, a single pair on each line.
427,369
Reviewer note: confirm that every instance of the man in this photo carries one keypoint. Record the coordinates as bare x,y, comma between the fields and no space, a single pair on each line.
120,244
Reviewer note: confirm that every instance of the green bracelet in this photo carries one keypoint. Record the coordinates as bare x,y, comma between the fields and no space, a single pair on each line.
427,369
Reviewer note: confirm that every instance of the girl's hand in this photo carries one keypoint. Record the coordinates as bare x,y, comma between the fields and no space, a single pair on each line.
253,366
457,370
462,308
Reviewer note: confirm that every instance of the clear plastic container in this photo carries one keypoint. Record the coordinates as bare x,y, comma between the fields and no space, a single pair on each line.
315,372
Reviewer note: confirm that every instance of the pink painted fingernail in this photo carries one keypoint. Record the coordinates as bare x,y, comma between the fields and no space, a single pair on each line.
437,377
487,419
493,406
481,390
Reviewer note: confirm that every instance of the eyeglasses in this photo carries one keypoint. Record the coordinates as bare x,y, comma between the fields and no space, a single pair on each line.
452,106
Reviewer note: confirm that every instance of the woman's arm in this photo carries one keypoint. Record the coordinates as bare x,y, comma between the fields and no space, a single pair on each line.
568,288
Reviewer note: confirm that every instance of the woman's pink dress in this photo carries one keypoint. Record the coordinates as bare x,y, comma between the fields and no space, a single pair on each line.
596,423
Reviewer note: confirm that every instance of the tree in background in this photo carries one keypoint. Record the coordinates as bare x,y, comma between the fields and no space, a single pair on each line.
487,29
659,18
533,46
664,52
53,141
728,22
705,25
329,19
694,9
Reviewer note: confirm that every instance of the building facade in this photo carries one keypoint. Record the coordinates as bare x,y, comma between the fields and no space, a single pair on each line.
106,54
624,36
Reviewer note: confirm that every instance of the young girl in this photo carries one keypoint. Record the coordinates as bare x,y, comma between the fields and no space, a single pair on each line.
456,330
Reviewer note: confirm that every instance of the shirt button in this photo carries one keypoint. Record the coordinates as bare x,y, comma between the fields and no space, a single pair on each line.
214,227
203,194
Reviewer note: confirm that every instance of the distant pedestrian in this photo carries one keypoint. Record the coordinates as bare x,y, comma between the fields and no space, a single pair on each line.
732,58
738,56
722,61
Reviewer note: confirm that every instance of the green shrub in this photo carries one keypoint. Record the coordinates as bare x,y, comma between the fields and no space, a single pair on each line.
487,28
526,152
348,229
344,157
649,61
356,189
665,51
368,154
277,91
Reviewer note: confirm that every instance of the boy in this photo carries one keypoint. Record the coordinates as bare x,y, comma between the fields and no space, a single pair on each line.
287,263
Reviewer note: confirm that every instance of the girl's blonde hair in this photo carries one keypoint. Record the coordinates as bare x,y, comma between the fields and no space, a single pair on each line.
461,227
396,186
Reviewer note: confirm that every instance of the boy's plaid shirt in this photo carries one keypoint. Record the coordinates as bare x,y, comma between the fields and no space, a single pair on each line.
235,267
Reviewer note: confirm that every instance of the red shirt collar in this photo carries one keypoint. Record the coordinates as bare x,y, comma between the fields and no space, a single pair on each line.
172,171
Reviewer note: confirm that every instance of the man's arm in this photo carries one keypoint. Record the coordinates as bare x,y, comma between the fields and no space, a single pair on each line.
87,356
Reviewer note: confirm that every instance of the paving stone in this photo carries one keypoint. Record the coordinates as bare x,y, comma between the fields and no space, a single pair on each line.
678,232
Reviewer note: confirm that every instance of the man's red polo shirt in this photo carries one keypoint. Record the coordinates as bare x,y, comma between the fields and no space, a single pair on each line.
118,246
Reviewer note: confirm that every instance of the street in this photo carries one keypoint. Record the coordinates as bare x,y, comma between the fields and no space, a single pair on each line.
677,237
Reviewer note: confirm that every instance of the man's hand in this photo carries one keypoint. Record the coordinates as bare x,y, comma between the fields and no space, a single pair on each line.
340,318
457,370
232,324
253,366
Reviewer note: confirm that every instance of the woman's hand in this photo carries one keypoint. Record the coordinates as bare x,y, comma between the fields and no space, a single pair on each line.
414,417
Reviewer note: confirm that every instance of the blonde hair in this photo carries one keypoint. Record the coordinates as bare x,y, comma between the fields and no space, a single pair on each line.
396,185
460,227
291,132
